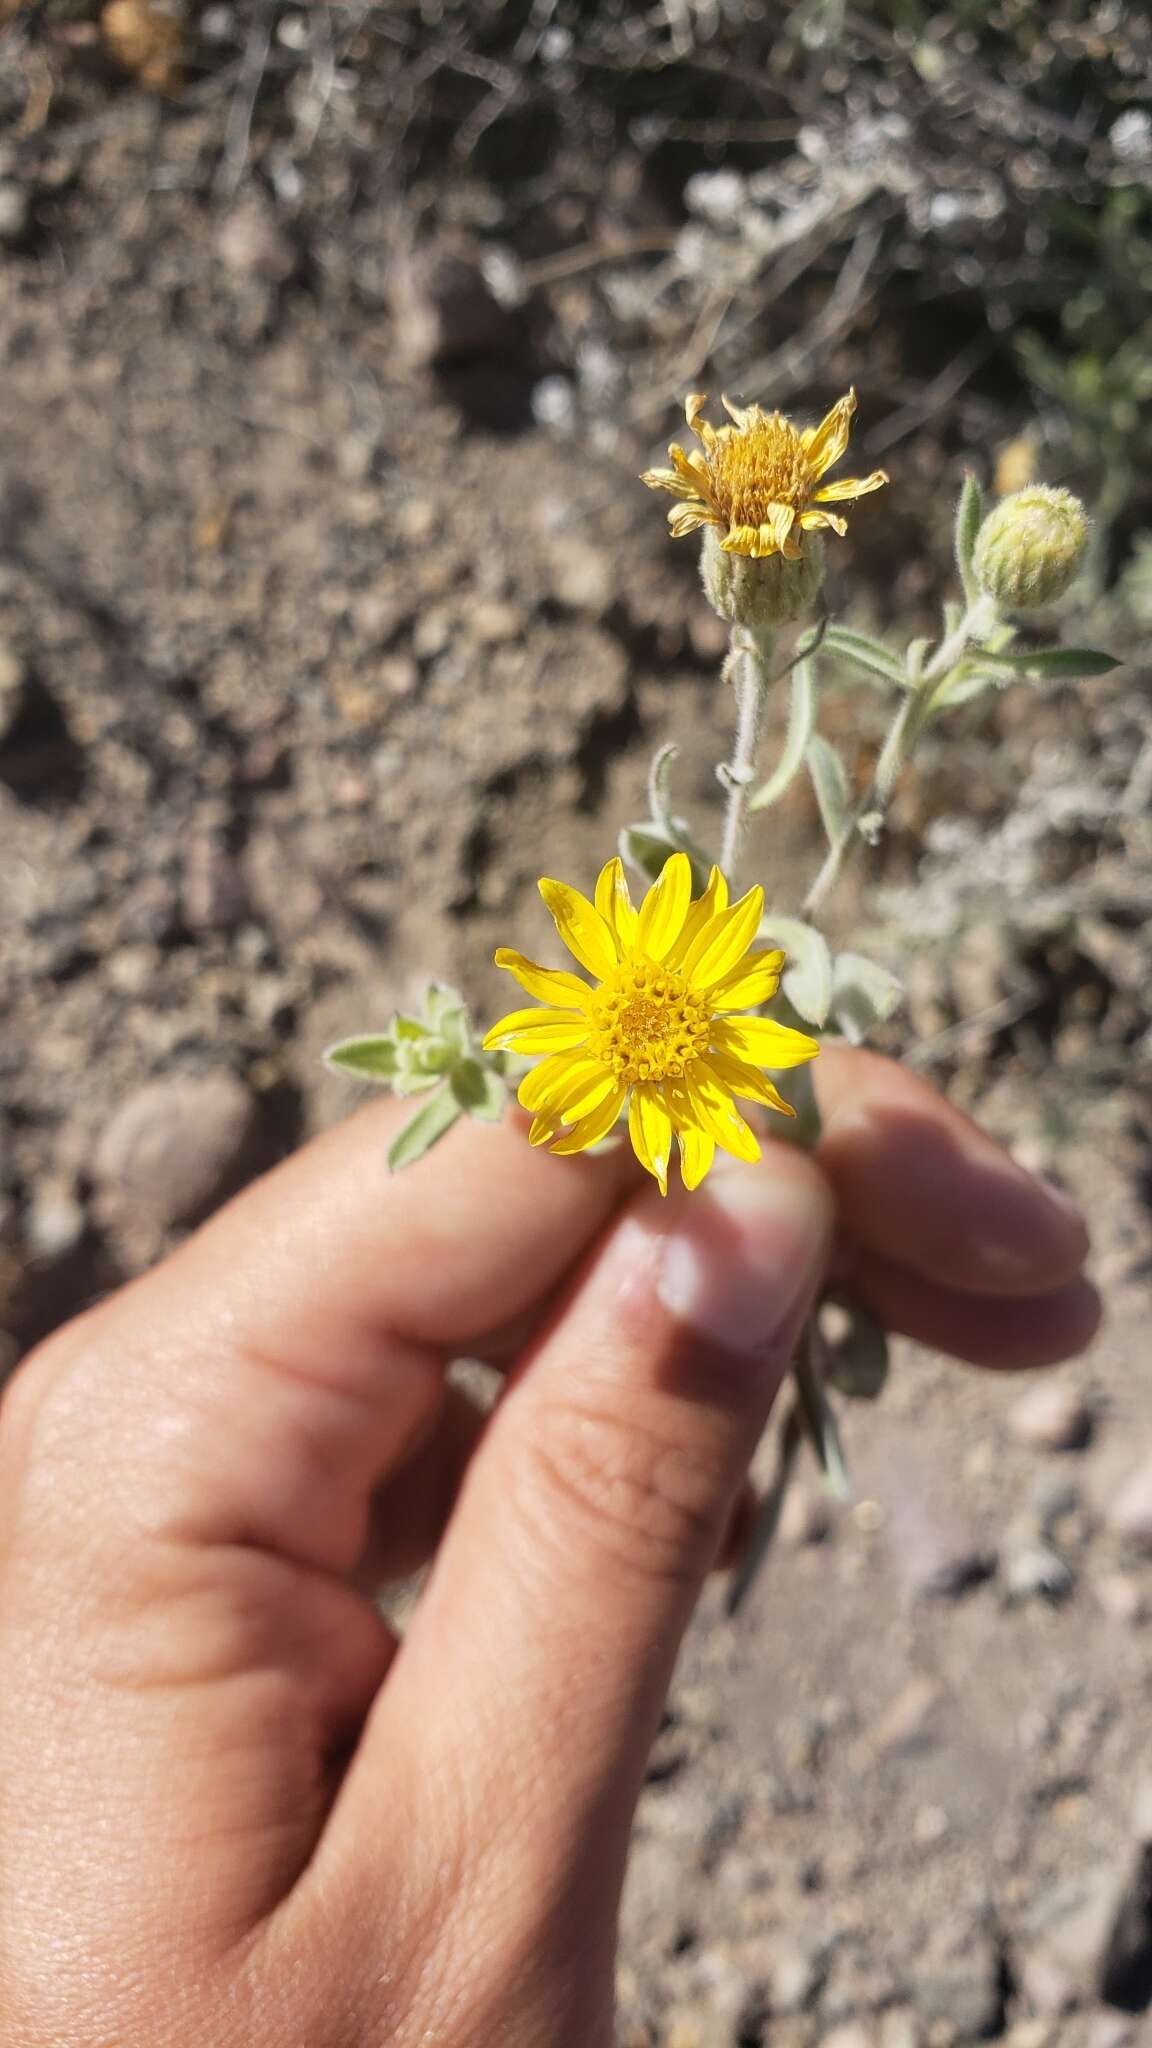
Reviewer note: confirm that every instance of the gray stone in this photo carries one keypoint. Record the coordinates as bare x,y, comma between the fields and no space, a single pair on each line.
796,1972
213,891
581,578
960,1995
13,688
251,243
911,1724
1129,1513
946,1561
1036,1572
1100,1949
1052,1416
55,1222
492,621
177,1146
15,211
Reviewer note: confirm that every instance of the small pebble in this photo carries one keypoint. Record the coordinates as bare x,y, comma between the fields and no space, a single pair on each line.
1052,1416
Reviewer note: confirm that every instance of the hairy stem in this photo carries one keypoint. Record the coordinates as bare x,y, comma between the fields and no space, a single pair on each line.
899,745
750,662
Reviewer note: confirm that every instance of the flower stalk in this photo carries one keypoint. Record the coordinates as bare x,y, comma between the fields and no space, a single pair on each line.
750,657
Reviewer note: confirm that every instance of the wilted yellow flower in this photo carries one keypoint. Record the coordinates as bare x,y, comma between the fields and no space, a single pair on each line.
658,1031
757,479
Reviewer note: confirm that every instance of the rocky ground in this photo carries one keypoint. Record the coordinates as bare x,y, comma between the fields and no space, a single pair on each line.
328,598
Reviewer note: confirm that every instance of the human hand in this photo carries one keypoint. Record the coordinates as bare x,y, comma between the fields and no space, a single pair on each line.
233,1808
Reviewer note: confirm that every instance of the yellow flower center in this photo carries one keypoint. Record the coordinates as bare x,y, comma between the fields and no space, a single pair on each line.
757,465
647,1022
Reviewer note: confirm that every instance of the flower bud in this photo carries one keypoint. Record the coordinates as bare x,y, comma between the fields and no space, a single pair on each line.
1029,549
760,594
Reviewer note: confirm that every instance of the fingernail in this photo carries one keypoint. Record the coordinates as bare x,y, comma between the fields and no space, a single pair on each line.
744,1258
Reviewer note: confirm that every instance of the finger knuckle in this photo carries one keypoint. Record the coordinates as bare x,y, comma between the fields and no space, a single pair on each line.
648,1491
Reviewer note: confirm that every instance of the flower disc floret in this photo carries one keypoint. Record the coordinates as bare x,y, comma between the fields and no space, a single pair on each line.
758,480
658,1034
647,1023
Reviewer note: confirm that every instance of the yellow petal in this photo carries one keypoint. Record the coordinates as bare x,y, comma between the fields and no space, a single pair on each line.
615,904
781,519
755,981
590,1083
548,984
537,1031
825,444
691,470
815,522
561,1083
668,480
715,1112
697,1151
664,908
763,1041
593,1127
739,414
544,1128
738,1078
852,487
724,941
684,519
706,907
693,407
581,927
745,540
650,1129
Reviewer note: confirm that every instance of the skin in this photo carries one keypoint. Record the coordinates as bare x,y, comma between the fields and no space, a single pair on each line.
233,1807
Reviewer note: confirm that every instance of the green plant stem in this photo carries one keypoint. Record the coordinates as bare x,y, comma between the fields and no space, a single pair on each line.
904,732
750,662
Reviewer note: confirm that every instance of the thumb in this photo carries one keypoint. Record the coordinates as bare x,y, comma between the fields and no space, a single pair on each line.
540,1655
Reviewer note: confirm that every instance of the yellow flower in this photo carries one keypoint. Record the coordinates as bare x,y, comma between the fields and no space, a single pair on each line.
658,1031
757,479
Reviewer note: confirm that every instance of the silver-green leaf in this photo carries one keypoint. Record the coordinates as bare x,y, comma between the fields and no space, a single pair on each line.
865,653
807,979
830,783
372,1057
479,1091
1066,662
421,1132
964,685
969,519
646,848
864,994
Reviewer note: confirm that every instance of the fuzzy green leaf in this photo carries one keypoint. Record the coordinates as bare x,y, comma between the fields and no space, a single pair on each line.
422,1131
646,848
807,979
864,652
965,684
864,994
969,519
1066,662
372,1058
801,719
830,783
479,1091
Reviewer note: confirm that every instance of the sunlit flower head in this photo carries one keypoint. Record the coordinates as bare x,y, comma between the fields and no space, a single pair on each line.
658,1030
758,480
